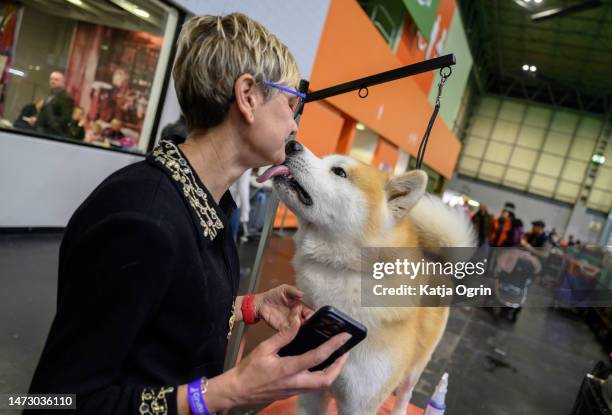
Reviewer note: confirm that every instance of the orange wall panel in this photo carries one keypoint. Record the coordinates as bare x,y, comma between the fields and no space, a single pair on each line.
320,128
385,155
347,136
284,217
352,48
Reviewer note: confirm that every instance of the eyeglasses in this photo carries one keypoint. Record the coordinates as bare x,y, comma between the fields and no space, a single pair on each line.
297,104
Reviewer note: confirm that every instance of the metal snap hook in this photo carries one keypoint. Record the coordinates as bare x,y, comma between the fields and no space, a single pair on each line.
450,71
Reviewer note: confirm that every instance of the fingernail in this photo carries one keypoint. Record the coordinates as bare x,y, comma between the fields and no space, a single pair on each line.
346,337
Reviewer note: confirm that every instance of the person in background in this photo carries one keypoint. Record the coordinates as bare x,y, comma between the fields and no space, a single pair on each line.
75,128
502,226
175,131
516,233
570,241
27,118
94,133
57,109
535,240
536,237
553,237
240,216
113,133
483,223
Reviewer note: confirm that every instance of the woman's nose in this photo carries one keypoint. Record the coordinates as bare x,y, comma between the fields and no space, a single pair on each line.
293,147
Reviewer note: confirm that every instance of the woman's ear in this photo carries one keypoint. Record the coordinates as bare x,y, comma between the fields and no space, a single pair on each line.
245,91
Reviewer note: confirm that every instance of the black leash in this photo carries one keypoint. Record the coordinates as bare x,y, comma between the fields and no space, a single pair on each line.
432,119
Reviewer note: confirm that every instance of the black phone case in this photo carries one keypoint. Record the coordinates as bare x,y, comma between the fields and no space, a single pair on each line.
324,324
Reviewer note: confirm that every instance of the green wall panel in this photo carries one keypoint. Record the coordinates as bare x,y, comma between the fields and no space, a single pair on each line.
455,86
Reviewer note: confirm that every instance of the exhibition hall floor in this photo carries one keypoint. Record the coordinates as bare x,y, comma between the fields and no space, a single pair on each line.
534,366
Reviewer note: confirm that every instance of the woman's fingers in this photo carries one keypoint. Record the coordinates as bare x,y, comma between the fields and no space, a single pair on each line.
291,293
306,312
307,381
267,377
335,368
314,357
282,337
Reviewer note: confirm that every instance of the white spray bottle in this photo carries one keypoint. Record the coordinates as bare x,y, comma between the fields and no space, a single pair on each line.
436,405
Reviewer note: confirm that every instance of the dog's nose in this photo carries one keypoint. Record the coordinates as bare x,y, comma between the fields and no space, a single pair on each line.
293,147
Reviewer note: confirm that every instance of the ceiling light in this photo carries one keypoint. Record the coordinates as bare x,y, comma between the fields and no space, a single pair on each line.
538,1
527,1
132,8
360,126
532,68
598,159
16,72
525,67
141,13
76,2
474,203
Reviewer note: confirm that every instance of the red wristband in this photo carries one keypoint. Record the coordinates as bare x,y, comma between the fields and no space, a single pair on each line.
248,309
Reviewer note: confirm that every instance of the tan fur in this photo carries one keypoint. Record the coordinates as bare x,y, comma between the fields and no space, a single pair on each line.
369,180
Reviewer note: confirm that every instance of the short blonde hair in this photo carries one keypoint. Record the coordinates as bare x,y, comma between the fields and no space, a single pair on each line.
213,52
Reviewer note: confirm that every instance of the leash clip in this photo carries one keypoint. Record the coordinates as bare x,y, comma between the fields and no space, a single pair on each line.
443,78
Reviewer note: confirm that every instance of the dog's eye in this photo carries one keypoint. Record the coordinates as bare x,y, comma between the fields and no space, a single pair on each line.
339,171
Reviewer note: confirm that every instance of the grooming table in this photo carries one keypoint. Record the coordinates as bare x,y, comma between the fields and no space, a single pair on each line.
287,407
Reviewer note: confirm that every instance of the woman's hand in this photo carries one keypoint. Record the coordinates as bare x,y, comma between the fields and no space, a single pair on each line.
278,306
263,376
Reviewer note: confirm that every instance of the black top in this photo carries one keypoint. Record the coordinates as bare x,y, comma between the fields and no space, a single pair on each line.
28,110
74,130
536,240
147,277
55,114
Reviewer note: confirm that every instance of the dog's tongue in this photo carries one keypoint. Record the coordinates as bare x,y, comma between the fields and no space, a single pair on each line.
280,170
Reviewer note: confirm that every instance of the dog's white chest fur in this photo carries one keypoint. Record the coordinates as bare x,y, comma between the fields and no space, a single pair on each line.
323,285
368,367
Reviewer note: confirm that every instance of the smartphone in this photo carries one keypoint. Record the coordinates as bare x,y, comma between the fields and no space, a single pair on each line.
325,323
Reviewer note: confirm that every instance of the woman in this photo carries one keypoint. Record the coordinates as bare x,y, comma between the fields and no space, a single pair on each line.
148,270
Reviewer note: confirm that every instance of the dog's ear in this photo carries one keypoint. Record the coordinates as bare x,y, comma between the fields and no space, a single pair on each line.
404,191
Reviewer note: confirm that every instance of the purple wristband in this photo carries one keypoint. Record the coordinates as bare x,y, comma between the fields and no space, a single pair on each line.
195,396
436,405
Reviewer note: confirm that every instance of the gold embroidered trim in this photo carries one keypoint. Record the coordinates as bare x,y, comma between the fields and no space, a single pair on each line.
152,403
169,156
232,320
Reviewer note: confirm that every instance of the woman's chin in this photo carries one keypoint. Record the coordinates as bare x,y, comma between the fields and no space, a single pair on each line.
279,158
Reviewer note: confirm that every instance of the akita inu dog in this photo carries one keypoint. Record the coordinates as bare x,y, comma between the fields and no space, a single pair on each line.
343,205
